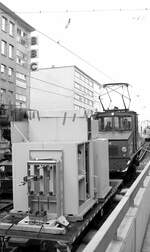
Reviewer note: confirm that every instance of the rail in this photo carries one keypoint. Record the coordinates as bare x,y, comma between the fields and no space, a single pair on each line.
108,232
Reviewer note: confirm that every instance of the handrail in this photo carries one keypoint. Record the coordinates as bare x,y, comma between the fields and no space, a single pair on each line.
108,231
138,182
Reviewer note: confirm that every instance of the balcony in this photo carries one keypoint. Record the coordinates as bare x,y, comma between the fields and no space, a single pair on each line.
11,113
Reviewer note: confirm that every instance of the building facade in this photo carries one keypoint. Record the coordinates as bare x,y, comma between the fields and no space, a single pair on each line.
64,88
15,53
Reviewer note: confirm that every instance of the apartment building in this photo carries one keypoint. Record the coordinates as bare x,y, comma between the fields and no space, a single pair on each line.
14,58
64,88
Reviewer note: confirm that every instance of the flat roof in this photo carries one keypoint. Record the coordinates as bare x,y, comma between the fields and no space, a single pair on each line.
13,15
57,67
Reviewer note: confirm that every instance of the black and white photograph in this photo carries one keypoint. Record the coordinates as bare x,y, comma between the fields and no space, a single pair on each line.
74,126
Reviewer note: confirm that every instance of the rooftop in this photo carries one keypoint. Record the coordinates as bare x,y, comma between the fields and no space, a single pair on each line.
16,17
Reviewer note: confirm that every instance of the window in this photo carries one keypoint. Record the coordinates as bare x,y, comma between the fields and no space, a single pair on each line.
10,72
10,97
76,85
91,83
21,62
21,54
90,103
21,76
21,58
19,31
3,69
125,123
3,91
23,34
21,97
21,37
77,74
76,96
11,29
116,122
77,107
105,123
3,95
81,98
108,123
11,51
3,47
83,79
21,84
20,104
4,24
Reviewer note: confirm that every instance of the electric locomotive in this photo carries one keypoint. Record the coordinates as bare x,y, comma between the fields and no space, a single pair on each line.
120,127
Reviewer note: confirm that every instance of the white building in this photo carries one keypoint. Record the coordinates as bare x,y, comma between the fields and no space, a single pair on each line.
64,88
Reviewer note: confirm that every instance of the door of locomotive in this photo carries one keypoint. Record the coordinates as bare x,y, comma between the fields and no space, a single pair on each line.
128,121
134,130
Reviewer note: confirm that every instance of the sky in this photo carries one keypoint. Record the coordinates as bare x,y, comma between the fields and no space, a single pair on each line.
112,36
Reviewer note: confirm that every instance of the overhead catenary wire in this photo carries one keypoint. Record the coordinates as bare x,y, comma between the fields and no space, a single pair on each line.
78,56
69,89
49,91
51,83
59,86
94,10
74,54
56,85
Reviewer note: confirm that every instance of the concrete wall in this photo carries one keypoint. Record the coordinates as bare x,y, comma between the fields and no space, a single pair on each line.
131,232
126,240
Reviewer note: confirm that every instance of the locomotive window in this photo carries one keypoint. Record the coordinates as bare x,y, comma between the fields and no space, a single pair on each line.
125,123
101,124
116,122
107,123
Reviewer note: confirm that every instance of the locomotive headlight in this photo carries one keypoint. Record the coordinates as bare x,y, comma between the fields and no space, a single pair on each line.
124,149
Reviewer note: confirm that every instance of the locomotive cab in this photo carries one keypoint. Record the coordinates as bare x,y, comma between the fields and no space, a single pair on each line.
120,127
